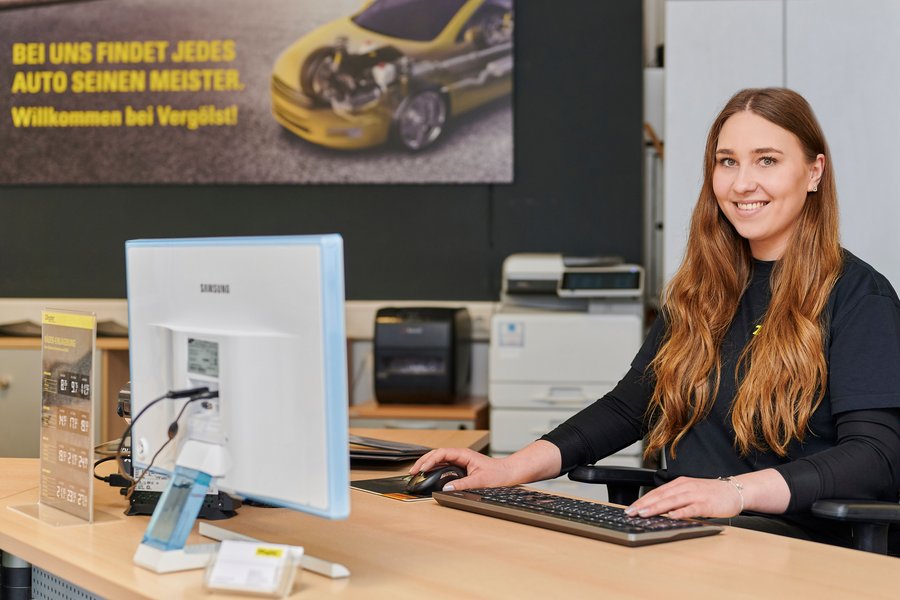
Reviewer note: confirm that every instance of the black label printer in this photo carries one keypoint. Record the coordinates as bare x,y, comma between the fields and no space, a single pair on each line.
422,355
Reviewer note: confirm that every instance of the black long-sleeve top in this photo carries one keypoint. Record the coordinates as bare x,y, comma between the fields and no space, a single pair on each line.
852,446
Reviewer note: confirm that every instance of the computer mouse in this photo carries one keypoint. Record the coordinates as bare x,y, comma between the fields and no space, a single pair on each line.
426,482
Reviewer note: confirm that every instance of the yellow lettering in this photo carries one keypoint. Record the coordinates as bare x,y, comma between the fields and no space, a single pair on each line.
149,51
138,117
65,53
204,51
195,80
108,81
194,118
229,51
31,53
39,82
47,116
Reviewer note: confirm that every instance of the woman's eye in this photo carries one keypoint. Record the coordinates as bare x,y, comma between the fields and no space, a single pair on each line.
767,161
727,162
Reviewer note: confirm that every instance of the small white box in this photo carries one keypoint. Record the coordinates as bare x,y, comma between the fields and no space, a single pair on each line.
254,568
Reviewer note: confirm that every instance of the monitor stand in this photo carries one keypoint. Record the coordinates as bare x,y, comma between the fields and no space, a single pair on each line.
163,548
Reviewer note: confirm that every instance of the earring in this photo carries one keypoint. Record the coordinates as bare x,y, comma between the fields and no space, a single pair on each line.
815,188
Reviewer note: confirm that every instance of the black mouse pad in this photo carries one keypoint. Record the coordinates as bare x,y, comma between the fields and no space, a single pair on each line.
390,487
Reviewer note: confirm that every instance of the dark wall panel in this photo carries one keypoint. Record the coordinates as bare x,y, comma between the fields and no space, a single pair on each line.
578,107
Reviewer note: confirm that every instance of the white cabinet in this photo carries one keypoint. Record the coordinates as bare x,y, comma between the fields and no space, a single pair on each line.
20,403
20,394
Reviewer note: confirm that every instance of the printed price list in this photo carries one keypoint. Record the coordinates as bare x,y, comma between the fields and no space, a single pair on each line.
65,492
67,440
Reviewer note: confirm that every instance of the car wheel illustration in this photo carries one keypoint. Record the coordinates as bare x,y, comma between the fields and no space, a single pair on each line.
420,120
493,29
320,79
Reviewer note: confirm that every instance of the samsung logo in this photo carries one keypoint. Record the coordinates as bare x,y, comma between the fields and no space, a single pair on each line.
214,288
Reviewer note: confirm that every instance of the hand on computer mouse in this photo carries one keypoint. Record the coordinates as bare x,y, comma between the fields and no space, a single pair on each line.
539,460
426,482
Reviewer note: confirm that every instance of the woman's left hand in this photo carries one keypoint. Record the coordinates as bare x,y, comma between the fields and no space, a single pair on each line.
688,497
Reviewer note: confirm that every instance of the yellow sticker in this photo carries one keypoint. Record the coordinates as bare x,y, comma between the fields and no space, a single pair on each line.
68,319
270,552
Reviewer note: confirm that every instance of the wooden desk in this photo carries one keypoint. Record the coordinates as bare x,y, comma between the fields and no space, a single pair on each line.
415,550
468,413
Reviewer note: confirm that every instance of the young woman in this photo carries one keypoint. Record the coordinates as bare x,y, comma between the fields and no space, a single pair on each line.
772,378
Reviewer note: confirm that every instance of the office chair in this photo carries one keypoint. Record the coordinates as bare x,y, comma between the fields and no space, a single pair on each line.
869,520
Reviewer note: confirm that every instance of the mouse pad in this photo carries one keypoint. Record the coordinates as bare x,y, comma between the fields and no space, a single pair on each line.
390,487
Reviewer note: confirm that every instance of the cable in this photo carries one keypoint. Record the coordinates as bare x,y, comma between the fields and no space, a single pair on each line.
99,462
107,448
135,482
113,479
172,432
170,395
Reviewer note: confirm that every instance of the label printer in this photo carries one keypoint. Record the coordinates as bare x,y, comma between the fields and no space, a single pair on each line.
422,354
565,334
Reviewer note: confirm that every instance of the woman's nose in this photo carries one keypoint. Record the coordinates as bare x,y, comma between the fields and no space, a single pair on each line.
744,181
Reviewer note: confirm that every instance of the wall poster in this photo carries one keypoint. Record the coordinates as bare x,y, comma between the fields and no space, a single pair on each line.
256,91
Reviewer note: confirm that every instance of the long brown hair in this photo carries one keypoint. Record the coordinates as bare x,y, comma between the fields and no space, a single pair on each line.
782,373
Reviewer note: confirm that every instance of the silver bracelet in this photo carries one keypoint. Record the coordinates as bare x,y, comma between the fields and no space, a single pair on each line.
738,486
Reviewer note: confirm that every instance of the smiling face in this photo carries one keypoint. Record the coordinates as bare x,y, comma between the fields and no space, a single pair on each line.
761,180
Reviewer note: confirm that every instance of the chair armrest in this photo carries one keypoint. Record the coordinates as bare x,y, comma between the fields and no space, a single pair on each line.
870,520
623,484
613,475
858,510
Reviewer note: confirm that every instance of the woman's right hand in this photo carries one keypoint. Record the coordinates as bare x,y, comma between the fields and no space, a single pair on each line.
539,460
481,471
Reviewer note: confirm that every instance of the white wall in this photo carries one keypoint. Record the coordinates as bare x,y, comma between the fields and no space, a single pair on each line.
713,48
844,57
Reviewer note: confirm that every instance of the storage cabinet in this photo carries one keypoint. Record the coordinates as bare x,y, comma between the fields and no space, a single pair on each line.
20,403
20,392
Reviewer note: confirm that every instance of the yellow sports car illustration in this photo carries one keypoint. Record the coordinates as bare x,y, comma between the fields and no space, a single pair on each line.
397,69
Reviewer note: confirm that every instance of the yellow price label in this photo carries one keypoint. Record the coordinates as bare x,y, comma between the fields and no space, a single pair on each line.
270,552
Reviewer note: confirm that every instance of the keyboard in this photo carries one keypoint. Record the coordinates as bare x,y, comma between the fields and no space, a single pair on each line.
579,517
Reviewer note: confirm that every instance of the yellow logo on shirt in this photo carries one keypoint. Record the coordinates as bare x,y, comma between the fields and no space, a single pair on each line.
757,329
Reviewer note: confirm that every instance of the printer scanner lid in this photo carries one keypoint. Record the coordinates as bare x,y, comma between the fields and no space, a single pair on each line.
560,276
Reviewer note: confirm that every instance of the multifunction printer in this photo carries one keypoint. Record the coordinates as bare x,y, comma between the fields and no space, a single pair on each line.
565,334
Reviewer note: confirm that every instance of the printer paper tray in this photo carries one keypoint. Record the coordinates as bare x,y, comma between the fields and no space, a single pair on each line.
557,395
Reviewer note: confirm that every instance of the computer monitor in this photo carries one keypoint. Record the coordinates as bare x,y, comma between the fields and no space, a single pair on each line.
260,320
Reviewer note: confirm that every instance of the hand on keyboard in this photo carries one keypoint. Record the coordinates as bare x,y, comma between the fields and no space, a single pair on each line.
570,515
690,497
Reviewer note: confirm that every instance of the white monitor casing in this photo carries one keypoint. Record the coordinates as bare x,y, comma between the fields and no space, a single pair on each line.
264,318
